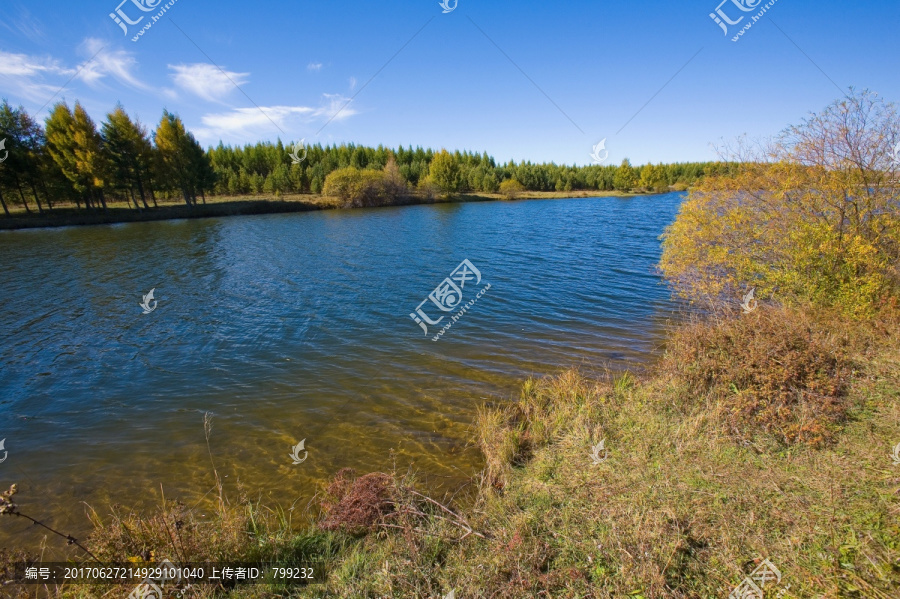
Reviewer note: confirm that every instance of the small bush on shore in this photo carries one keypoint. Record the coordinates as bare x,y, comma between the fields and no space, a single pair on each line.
511,188
356,188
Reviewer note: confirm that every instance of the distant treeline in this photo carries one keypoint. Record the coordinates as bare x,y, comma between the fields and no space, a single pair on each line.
70,160
267,168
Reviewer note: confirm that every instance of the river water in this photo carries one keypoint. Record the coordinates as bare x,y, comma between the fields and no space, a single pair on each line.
297,326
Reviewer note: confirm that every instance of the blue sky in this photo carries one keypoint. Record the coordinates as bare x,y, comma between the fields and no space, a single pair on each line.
582,72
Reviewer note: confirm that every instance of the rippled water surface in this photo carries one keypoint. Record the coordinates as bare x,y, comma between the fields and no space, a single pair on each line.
297,326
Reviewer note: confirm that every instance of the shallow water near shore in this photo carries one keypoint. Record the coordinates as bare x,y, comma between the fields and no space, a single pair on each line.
297,326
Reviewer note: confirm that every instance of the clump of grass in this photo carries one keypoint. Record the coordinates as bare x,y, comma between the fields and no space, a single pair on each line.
509,436
357,506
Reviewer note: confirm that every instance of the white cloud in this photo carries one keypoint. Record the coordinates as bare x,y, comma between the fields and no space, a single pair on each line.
352,83
23,77
118,64
206,80
22,65
246,118
338,108
252,124
314,66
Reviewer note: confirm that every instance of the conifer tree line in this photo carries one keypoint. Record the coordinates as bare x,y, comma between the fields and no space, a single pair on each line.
70,160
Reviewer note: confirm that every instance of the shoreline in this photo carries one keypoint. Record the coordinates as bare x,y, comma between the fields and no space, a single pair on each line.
231,206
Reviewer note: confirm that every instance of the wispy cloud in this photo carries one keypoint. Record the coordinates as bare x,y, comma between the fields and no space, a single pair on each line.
352,83
22,65
23,23
247,124
26,77
40,79
314,66
118,64
206,80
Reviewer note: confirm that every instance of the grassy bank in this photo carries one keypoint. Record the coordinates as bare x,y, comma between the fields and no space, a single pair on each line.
216,206
765,435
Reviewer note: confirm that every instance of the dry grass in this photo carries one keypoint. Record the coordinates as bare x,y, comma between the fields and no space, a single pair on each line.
357,506
779,371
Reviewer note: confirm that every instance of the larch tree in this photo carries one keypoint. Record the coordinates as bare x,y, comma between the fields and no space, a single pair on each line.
444,172
24,140
186,164
626,177
129,149
77,148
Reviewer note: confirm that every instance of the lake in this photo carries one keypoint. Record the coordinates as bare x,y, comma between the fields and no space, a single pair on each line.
297,326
